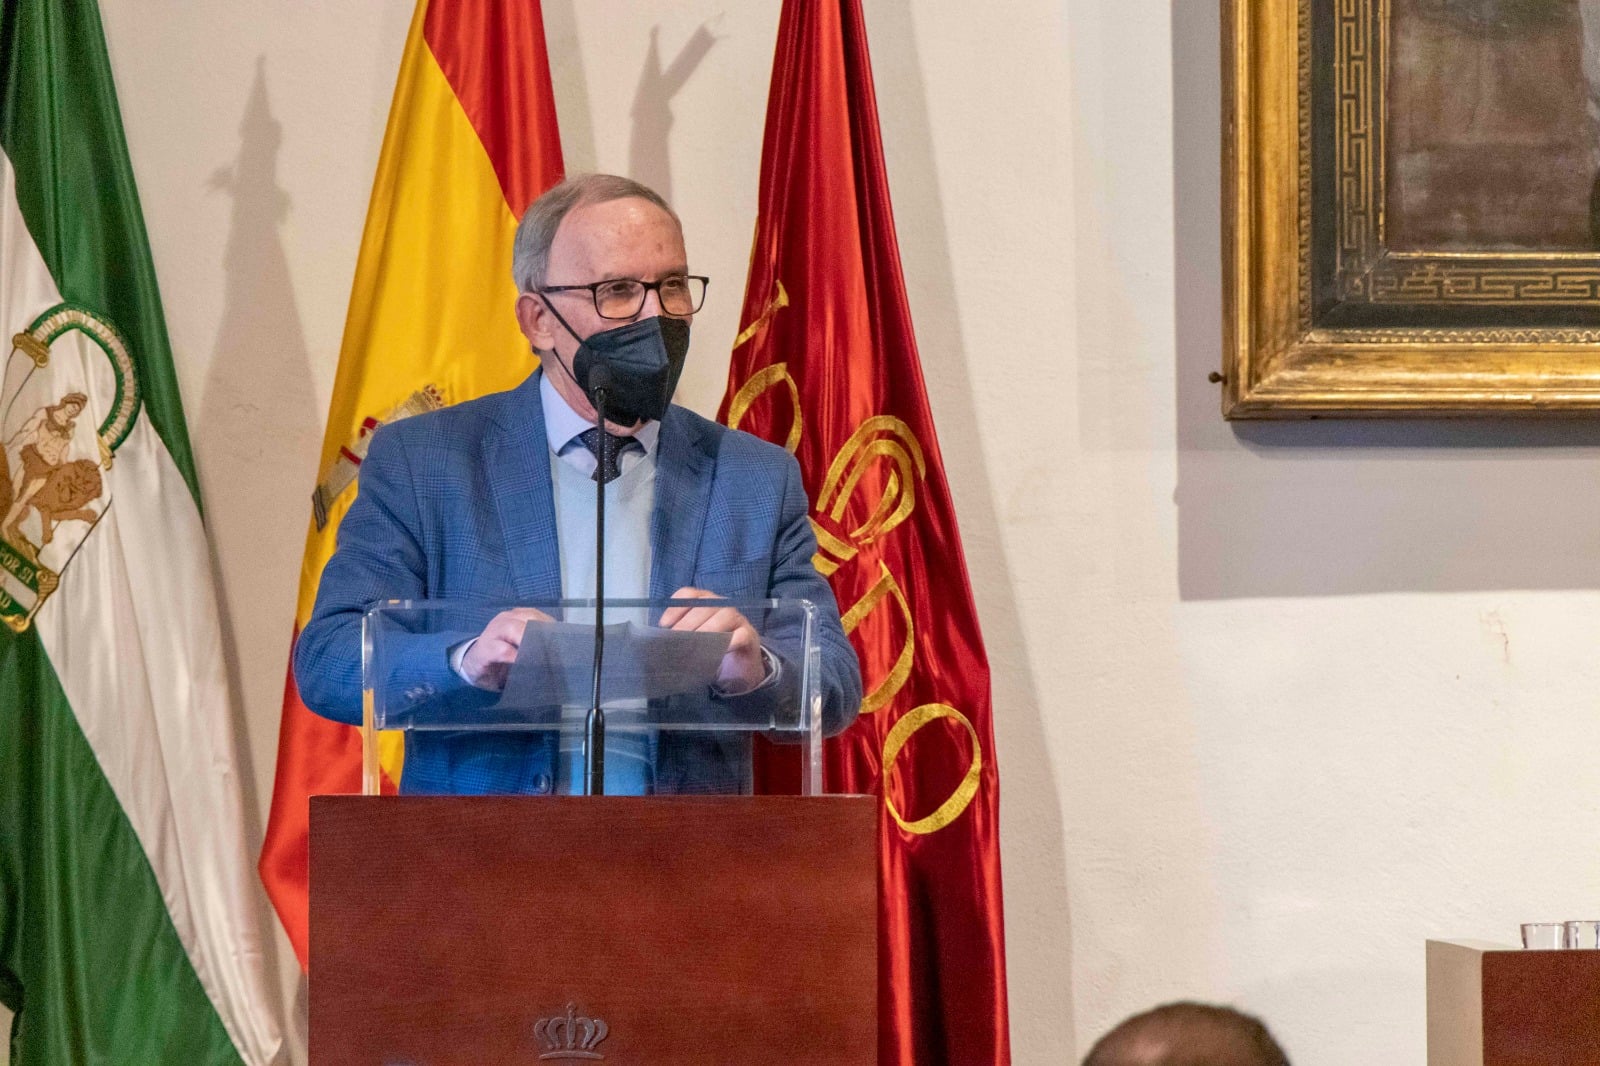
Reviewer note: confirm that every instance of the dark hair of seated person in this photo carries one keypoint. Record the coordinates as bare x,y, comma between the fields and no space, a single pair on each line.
1188,1034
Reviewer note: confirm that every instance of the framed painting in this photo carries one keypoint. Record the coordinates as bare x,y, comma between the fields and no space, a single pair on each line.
1411,207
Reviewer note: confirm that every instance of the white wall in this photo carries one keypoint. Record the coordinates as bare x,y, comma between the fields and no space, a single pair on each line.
1274,702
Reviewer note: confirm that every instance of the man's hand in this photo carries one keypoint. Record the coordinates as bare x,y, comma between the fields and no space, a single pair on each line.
743,667
489,657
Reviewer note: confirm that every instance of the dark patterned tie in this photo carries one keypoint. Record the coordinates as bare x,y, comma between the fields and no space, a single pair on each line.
607,468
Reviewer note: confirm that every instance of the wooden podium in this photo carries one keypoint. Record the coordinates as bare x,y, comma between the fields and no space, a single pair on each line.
616,930
1495,1005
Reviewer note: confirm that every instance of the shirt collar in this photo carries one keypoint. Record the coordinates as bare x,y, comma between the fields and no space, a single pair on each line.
562,424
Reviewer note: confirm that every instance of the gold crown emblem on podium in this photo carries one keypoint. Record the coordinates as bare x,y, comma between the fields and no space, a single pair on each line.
571,1035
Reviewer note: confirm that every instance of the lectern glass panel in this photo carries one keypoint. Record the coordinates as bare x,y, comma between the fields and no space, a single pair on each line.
502,698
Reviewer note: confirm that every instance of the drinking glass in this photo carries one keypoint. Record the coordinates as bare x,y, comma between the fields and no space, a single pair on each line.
1584,935
1543,936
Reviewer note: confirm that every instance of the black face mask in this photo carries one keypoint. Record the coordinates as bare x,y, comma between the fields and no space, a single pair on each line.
643,361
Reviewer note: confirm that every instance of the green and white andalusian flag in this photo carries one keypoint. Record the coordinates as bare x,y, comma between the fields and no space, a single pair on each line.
129,925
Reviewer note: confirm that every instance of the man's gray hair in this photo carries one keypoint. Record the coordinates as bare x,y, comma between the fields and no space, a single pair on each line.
530,251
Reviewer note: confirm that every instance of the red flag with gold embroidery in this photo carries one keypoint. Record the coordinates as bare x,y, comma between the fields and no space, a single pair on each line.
827,365
471,142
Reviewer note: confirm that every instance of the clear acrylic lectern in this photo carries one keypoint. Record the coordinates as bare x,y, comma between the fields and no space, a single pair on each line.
680,702
493,914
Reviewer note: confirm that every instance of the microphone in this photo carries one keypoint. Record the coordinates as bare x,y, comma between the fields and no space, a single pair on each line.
598,380
598,387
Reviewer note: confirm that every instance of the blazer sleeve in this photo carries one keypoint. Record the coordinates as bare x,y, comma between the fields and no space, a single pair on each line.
379,557
795,576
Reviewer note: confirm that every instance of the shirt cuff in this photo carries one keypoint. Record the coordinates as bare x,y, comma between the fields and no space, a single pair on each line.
774,667
457,655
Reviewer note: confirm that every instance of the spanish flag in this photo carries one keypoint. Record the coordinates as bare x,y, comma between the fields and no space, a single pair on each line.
471,142
827,366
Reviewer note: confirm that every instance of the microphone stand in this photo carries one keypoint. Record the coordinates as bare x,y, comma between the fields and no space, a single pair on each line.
594,734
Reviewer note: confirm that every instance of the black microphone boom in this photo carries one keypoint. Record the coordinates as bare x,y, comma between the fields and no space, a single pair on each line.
598,385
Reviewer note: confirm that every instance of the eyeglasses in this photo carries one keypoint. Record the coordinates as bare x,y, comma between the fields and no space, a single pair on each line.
680,294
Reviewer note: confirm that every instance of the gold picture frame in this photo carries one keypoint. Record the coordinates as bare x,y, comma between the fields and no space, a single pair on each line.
1326,311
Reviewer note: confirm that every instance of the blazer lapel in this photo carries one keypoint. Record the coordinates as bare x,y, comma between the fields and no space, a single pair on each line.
518,464
683,487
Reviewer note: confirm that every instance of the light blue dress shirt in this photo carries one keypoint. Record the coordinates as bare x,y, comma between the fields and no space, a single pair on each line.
630,502
562,425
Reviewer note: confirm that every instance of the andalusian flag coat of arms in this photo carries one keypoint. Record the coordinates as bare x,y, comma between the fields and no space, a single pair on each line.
129,924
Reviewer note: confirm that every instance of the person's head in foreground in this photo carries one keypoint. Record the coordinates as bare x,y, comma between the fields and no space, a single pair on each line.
1188,1034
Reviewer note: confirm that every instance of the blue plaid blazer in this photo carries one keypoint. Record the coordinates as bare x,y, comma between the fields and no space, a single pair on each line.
457,504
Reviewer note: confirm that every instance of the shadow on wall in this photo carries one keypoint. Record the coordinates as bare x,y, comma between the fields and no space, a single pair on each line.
1042,1010
571,87
257,433
1346,507
649,152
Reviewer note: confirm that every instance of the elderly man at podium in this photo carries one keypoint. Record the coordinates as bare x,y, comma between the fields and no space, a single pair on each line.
493,501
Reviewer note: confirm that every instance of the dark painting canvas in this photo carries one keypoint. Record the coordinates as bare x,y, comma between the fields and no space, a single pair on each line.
1494,125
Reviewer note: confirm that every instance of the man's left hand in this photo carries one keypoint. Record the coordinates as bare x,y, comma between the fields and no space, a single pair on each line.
743,667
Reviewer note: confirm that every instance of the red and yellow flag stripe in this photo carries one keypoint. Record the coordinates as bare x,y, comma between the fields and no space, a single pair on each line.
471,141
